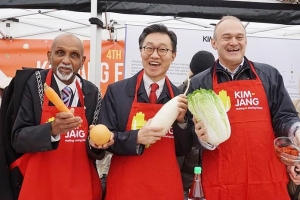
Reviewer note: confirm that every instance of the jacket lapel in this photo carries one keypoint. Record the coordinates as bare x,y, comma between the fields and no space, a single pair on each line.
88,101
165,95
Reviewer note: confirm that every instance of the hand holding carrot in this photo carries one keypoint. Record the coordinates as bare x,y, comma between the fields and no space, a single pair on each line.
64,122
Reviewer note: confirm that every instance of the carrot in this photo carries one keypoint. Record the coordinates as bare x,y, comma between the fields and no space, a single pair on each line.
55,99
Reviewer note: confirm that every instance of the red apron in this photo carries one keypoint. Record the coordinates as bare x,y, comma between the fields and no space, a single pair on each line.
154,174
245,166
65,173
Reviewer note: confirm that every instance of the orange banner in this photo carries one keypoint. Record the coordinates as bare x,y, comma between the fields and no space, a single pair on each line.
18,53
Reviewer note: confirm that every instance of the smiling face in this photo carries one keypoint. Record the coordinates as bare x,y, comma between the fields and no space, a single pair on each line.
230,42
66,57
156,66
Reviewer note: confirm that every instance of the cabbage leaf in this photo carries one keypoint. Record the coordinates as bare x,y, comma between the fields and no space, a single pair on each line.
207,106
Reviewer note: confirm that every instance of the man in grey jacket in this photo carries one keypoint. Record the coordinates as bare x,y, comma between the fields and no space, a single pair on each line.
245,166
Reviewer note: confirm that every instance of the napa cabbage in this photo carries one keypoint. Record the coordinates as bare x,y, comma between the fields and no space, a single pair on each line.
207,106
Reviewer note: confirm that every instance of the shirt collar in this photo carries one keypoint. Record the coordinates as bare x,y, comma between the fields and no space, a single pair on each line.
61,85
232,73
148,82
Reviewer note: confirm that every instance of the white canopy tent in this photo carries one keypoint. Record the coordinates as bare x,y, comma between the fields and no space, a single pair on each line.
47,23
34,23
46,19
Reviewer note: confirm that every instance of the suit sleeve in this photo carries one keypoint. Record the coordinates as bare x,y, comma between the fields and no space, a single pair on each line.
115,116
5,187
27,134
283,113
183,139
93,153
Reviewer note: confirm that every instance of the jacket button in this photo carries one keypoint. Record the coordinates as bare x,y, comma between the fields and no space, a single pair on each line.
18,185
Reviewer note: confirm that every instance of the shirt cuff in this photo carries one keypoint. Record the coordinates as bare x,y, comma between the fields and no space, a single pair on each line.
55,138
293,129
182,125
207,145
138,149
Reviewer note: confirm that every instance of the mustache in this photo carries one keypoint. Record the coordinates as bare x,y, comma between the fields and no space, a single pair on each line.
66,66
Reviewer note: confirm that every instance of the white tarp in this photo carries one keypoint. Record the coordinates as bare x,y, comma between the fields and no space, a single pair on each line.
46,24
281,53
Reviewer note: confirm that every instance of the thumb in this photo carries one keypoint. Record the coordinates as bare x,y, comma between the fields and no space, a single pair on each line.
149,121
72,110
91,126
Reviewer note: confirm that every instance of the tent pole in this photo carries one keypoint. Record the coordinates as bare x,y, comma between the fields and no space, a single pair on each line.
94,68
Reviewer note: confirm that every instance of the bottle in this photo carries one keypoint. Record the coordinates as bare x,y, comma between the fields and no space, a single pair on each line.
196,191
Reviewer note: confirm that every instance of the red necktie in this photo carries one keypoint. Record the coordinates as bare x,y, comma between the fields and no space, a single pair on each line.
152,96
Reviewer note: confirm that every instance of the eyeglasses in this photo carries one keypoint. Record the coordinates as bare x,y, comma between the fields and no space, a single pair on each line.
160,51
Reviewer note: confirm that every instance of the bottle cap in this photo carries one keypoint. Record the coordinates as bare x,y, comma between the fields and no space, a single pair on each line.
197,170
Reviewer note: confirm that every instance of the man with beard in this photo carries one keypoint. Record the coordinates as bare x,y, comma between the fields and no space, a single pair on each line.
58,159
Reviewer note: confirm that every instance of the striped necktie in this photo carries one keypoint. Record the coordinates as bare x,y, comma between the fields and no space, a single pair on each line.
66,95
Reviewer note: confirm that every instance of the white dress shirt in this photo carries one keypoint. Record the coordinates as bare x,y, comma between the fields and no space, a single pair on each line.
148,82
61,86
232,73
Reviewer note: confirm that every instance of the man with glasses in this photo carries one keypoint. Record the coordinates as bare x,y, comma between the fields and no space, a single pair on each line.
144,164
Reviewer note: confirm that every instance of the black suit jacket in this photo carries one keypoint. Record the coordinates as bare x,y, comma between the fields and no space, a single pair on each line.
5,188
115,110
28,134
10,104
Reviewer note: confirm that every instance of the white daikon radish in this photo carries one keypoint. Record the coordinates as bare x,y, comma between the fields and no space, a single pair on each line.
168,113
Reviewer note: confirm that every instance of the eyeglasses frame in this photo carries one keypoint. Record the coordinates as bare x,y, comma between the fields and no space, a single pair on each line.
156,50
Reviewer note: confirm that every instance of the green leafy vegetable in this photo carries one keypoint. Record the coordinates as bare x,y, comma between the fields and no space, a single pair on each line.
207,106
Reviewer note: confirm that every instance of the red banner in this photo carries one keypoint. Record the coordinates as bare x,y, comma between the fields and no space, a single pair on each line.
18,53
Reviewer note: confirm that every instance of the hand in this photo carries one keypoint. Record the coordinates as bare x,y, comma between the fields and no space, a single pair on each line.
104,146
200,130
182,107
297,136
294,173
149,135
64,122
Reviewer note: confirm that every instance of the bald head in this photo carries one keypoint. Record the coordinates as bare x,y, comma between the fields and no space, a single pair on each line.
67,37
224,19
66,57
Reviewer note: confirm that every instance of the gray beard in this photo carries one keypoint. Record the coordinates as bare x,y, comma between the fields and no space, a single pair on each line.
64,77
